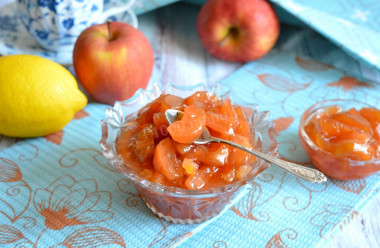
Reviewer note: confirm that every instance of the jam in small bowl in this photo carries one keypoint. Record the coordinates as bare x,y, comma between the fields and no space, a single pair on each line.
342,138
180,181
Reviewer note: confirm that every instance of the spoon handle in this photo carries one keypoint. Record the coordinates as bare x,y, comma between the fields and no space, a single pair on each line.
306,173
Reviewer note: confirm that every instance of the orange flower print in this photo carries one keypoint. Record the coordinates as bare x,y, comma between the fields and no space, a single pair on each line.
81,114
280,239
67,202
345,87
311,65
282,123
348,83
9,171
55,138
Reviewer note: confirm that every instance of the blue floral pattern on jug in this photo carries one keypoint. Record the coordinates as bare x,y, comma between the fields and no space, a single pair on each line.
55,24
15,39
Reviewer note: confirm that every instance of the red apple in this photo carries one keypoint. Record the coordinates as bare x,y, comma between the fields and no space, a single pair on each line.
112,60
238,30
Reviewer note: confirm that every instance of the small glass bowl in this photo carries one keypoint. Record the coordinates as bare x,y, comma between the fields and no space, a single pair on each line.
171,203
338,168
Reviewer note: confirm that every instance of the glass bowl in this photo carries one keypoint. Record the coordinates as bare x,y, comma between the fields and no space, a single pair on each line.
338,168
176,204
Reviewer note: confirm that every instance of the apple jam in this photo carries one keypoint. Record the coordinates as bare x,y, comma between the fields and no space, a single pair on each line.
352,134
346,143
165,154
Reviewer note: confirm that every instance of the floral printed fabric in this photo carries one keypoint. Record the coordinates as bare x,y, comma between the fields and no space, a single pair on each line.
59,190
281,210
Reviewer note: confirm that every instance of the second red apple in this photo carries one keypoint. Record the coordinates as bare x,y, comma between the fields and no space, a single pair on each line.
112,60
238,30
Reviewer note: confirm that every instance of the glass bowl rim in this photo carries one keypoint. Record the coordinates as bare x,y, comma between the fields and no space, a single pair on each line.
315,108
117,162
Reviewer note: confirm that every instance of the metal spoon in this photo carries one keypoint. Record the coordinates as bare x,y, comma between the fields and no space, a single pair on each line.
306,173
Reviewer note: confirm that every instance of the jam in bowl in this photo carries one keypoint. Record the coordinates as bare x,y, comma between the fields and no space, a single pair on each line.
342,138
178,180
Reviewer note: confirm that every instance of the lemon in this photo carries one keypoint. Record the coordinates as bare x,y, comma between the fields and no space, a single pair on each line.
37,96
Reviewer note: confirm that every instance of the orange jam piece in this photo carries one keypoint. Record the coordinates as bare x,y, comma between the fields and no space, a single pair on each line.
124,147
373,117
204,99
217,154
195,152
164,102
161,125
165,160
315,135
171,102
353,119
352,150
220,123
197,180
145,143
243,128
239,157
166,154
145,115
350,134
190,127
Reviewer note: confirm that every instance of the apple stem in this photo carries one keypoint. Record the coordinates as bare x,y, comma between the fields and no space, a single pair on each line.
109,29
232,33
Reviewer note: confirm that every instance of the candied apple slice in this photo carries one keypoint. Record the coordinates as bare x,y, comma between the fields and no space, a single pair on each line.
196,152
356,135
199,179
184,149
171,102
239,157
161,125
145,115
347,149
204,100
228,173
124,145
244,127
227,109
145,143
165,160
372,115
331,128
329,111
217,155
243,171
220,123
352,118
315,136
190,127
196,181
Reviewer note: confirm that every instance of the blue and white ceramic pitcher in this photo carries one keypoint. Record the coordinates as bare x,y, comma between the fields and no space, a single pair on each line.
56,24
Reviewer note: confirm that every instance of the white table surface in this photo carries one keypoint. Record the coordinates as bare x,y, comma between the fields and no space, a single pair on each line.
180,58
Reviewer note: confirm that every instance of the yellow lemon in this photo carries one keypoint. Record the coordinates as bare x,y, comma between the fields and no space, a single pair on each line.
37,96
